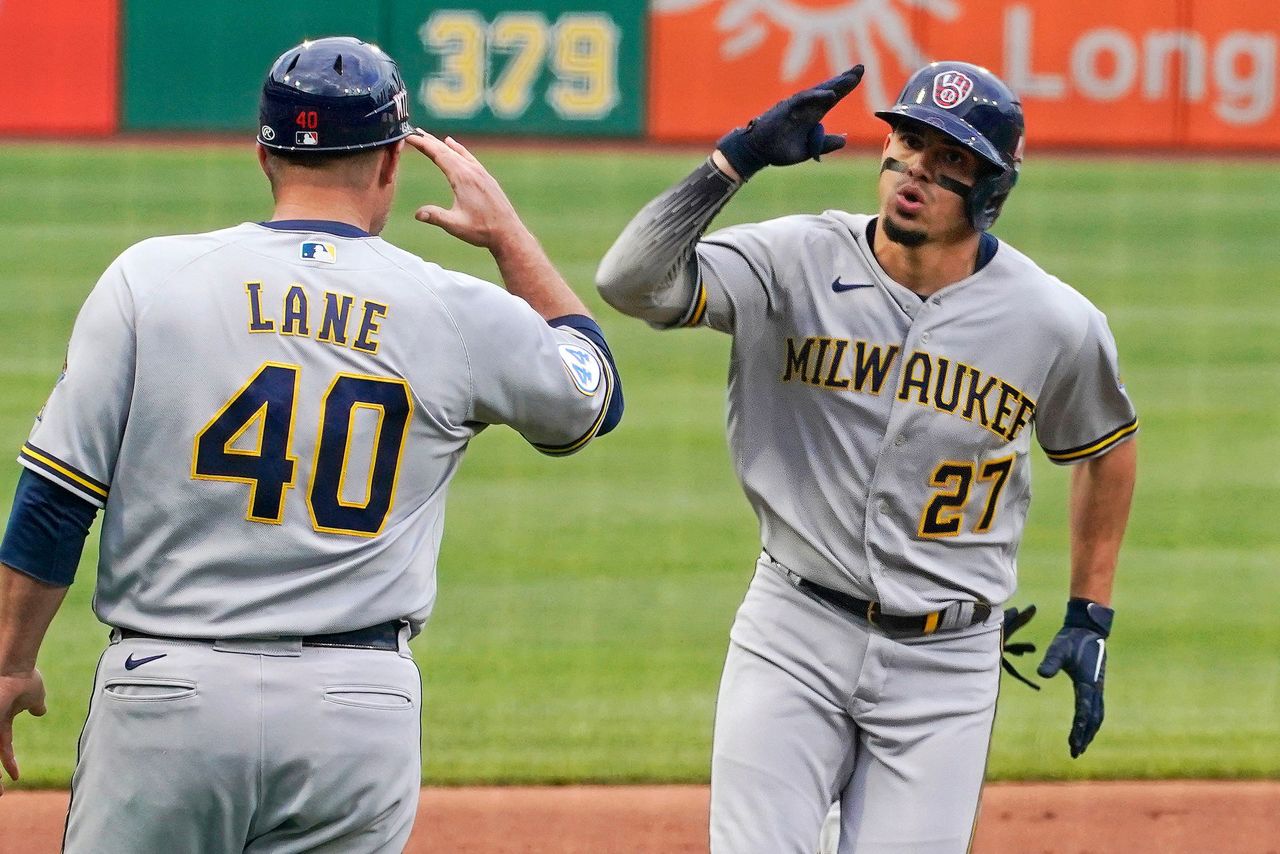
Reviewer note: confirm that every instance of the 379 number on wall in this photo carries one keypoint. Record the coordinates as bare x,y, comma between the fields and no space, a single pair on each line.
502,64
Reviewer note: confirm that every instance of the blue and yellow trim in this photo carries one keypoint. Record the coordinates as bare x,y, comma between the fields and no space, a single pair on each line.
1098,446
699,309
63,472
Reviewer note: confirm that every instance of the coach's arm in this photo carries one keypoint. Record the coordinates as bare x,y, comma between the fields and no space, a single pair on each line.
38,559
27,607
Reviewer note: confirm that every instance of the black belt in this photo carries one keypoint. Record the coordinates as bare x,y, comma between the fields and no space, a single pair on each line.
924,624
385,636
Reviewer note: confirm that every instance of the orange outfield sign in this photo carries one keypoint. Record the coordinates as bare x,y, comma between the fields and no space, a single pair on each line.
1193,74
60,77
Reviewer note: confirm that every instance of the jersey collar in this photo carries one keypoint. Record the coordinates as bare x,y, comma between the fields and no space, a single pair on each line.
338,229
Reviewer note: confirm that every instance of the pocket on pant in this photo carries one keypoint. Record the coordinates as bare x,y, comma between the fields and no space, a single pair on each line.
382,697
134,689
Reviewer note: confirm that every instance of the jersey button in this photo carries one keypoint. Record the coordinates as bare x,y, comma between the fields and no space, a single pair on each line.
937,300
924,339
881,506
900,441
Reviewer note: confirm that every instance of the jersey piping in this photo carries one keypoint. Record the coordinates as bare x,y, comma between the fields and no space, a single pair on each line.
62,472
1096,447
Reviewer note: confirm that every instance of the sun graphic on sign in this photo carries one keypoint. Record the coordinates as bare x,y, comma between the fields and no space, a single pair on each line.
844,31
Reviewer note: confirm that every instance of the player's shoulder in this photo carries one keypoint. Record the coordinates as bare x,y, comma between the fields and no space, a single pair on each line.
152,261
464,297
444,283
782,235
1043,296
180,247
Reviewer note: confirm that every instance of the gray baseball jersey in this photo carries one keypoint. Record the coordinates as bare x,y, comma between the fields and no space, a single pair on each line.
271,418
883,440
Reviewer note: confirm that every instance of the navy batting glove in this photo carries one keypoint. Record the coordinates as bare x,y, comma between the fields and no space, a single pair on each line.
1080,648
791,131
1015,619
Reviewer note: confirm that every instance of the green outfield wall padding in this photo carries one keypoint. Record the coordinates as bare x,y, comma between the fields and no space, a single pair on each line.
190,66
545,67
561,67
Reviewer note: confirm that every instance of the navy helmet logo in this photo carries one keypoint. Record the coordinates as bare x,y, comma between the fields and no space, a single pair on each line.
951,88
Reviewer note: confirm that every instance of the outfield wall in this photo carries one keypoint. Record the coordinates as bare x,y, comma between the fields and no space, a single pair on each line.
1168,74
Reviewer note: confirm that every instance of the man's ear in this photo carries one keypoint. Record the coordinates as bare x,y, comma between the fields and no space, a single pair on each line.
262,159
389,165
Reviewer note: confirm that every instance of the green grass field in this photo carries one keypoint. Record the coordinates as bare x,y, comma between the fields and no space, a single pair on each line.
585,603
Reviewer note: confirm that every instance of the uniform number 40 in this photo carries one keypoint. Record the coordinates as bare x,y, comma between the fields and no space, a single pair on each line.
268,402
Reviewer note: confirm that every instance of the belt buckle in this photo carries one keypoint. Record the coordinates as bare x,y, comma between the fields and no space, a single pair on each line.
873,613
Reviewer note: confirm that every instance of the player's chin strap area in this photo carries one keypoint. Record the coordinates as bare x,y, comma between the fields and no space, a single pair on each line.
961,190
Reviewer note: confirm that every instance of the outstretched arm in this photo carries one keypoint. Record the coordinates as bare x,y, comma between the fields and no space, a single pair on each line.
651,271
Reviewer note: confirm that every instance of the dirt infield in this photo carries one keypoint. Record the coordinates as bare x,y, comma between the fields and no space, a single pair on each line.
1067,818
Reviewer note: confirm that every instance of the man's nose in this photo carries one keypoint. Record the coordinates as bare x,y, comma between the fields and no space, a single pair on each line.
918,166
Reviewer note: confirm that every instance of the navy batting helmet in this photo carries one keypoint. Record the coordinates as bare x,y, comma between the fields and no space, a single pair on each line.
976,109
334,94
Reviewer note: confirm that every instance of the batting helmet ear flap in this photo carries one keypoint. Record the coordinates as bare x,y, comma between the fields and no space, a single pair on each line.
987,198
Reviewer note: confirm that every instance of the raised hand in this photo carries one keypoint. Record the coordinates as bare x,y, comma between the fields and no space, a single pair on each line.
791,131
481,215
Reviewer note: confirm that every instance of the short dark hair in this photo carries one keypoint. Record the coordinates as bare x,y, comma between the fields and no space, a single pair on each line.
350,167
320,159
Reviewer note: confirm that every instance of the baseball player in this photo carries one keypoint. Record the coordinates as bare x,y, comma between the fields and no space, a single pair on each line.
270,416
887,373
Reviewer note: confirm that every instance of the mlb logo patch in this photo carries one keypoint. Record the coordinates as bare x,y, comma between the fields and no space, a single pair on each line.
326,252
307,137
951,88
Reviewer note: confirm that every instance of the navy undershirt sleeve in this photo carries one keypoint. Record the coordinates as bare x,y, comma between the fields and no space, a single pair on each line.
589,328
47,529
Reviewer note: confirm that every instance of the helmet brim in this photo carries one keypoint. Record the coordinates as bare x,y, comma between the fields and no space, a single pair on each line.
275,146
952,125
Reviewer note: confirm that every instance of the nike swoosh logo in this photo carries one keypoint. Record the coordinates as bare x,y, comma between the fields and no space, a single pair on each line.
1102,656
130,663
840,287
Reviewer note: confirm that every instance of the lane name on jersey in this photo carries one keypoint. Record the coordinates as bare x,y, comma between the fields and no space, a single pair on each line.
338,321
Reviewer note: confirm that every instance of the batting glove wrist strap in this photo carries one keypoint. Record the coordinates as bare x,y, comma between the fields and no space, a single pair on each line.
1015,619
791,131
1087,614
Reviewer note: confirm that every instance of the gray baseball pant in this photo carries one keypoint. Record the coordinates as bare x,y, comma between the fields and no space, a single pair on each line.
816,706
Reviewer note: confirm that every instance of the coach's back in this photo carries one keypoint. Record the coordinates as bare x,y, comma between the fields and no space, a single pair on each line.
306,377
